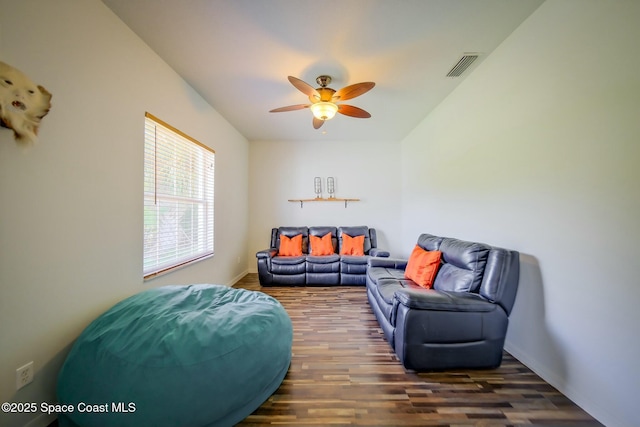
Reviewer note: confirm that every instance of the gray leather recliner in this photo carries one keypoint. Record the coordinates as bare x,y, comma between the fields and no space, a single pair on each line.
335,269
461,322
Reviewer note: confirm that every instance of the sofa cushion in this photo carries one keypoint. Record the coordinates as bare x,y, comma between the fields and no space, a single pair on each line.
423,266
384,294
290,232
387,288
354,259
290,246
352,245
320,231
288,260
377,273
320,246
323,264
443,301
353,231
463,266
288,265
324,259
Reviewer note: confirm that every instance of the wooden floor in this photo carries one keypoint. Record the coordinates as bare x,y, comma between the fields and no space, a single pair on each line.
343,373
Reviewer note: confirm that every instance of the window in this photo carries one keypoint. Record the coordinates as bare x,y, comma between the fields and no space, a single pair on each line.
178,198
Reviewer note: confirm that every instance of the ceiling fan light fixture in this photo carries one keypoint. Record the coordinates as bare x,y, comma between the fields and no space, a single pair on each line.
323,100
324,110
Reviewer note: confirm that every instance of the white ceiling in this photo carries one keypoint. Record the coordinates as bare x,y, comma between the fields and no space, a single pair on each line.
238,53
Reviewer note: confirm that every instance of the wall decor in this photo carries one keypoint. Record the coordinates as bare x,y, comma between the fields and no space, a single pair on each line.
331,187
317,186
23,104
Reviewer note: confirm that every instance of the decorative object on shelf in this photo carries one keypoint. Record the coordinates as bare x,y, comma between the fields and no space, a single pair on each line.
23,104
317,187
320,199
331,187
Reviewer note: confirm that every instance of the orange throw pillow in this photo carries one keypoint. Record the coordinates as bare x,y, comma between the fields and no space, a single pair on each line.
423,266
352,245
321,246
290,246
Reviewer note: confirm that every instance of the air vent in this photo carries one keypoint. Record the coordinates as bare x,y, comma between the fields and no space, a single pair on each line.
462,65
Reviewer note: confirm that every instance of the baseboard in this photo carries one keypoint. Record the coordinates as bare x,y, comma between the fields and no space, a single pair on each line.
43,420
534,365
238,278
586,403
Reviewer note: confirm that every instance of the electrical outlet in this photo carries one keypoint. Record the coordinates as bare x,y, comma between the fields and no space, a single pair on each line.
238,260
24,375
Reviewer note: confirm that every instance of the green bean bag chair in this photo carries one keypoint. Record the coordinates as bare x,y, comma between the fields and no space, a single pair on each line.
177,356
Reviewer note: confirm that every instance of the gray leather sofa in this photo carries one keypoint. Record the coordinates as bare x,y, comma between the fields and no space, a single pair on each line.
462,321
335,269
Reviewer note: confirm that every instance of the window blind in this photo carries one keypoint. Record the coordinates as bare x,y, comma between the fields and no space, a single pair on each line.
178,198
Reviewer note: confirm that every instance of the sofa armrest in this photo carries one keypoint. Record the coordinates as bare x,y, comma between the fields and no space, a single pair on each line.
375,252
266,253
399,264
430,299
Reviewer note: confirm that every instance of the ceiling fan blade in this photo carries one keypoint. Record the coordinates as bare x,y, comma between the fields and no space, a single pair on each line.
317,123
304,87
290,108
352,91
350,110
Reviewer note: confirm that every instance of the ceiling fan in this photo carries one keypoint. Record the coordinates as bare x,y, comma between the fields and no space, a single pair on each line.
323,100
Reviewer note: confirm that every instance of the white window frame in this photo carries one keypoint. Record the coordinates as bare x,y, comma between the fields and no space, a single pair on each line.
178,199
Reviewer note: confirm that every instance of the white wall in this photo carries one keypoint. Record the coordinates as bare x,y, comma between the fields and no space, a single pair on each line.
71,206
283,170
538,151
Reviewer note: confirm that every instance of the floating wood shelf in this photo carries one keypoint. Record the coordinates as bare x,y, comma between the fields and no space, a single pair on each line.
322,199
